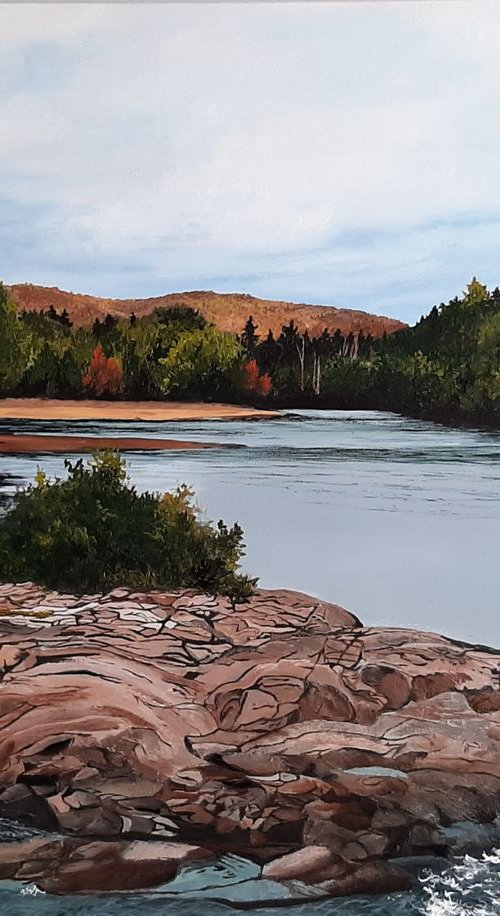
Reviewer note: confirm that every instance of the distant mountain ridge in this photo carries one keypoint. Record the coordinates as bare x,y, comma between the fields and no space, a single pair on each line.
227,311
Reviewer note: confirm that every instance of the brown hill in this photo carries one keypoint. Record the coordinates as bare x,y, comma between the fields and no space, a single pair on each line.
227,311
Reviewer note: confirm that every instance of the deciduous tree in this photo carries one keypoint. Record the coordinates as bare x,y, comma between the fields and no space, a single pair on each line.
104,376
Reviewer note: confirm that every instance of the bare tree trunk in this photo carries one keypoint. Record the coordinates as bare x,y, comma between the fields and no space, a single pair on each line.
316,373
302,360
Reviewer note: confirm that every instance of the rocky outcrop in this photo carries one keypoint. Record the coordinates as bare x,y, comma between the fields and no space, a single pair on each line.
149,730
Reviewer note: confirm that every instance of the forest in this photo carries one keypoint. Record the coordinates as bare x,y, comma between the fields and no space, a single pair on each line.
447,366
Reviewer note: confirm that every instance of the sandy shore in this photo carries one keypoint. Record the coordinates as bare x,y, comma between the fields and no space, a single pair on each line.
46,409
51,445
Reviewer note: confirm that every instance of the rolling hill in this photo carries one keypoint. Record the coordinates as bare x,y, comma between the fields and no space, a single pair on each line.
227,311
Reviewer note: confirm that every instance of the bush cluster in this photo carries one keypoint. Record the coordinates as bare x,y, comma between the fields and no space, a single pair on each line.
94,531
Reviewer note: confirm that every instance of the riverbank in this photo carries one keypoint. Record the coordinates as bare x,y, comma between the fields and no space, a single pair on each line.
161,411
451,418
64,445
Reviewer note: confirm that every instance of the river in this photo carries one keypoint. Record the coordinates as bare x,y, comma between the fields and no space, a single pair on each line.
396,519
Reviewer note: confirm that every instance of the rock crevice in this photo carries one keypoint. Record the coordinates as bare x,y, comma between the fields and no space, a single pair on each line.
281,731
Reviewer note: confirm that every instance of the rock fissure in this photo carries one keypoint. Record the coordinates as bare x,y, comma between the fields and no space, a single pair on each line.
281,731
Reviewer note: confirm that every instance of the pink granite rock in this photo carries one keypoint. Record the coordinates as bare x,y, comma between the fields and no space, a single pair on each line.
75,866
280,730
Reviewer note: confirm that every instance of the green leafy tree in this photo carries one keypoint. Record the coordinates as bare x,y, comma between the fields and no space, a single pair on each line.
188,319
15,345
202,364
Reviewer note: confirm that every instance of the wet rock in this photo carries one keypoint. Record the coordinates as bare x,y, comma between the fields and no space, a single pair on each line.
303,864
66,866
370,878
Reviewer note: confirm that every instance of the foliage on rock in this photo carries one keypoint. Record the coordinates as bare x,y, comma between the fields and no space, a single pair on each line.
94,531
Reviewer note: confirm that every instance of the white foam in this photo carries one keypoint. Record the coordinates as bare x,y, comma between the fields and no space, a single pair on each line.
31,890
470,887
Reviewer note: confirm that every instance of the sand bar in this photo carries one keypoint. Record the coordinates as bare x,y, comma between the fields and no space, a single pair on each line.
63,445
52,409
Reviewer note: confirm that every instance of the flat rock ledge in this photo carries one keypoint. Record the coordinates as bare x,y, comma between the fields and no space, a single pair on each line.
144,734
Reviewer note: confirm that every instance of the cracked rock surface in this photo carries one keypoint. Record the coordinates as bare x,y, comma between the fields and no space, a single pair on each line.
146,731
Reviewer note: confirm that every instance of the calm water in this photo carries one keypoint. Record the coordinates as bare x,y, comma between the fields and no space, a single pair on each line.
396,519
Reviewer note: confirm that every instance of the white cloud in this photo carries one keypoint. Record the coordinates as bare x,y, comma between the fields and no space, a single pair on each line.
35,22
233,140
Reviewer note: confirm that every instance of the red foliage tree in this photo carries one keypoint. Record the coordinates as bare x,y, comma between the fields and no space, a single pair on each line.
104,375
251,374
265,386
254,381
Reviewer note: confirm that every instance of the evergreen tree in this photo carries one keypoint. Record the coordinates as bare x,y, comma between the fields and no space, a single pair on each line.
250,338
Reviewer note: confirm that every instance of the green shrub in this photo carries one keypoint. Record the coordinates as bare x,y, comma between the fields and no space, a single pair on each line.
93,531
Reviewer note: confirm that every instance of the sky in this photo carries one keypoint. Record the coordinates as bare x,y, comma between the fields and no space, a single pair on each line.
343,153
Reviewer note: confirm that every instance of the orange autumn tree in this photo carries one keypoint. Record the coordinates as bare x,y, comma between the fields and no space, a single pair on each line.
104,375
254,381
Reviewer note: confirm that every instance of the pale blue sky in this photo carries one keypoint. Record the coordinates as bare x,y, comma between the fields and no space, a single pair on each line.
346,154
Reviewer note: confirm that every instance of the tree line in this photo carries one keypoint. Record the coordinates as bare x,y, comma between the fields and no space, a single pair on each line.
447,365
173,352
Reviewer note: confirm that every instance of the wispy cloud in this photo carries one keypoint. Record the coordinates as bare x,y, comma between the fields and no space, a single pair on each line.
338,153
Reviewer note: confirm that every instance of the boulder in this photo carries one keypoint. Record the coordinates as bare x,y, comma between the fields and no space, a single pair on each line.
75,866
